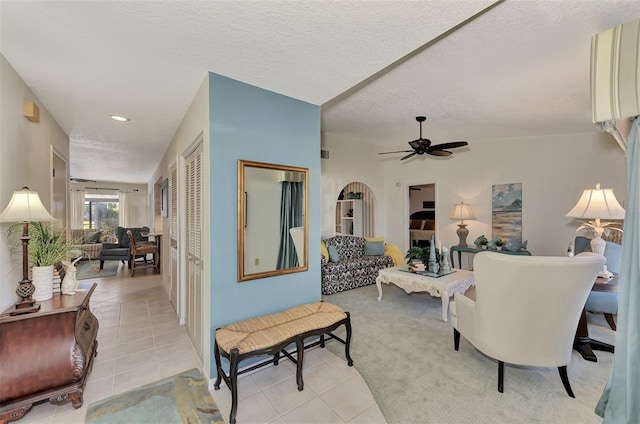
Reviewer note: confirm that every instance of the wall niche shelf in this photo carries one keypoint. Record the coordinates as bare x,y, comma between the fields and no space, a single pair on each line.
349,217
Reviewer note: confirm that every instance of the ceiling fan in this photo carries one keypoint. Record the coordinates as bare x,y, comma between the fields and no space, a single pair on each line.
423,145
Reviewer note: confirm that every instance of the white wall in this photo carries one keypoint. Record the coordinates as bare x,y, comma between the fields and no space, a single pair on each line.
25,161
553,170
349,161
195,122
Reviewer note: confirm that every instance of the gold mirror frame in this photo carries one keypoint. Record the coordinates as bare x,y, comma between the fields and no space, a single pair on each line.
245,201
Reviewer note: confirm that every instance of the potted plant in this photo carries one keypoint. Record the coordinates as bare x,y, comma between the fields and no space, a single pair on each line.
47,247
421,253
499,243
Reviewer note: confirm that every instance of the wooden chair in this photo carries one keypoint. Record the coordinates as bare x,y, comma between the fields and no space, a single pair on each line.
142,250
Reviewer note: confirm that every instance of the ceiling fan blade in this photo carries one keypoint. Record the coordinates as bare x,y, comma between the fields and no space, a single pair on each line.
439,152
409,155
451,145
398,151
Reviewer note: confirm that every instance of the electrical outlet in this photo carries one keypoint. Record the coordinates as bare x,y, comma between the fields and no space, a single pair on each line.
257,261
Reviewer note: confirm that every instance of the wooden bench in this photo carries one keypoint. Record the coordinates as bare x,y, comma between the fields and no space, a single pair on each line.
270,335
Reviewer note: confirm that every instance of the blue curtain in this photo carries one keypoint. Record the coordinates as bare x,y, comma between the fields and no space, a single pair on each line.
620,401
290,216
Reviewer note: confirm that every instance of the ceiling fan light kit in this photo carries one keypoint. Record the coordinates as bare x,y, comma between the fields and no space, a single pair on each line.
423,145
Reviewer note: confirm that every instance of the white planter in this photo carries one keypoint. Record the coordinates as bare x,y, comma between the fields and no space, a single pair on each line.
42,278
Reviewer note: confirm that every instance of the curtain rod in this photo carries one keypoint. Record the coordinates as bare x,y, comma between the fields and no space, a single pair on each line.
107,188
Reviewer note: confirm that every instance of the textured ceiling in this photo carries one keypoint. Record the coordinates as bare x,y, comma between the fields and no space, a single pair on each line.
519,69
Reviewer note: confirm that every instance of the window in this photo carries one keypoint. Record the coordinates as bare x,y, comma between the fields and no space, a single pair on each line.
102,212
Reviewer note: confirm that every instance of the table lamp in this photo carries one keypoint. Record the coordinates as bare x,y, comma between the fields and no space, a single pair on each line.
25,206
460,212
596,204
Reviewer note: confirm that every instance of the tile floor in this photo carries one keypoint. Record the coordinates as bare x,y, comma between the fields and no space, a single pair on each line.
141,341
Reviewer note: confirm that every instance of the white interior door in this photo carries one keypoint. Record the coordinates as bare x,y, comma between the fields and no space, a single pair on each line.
193,246
173,237
59,188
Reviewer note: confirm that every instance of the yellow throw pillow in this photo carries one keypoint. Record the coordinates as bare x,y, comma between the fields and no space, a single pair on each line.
396,254
374,238
324,251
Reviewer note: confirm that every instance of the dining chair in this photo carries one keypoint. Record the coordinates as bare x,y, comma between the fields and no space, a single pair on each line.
142,250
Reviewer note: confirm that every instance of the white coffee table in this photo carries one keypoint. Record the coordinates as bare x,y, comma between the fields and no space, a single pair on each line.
443,287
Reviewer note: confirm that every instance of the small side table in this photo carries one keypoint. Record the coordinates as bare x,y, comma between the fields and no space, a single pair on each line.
584,344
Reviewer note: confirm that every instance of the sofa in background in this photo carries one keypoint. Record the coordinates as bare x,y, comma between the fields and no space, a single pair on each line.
353,262
88,241
120,251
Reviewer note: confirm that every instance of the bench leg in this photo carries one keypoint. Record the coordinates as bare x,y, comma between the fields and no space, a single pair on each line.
321,340
347,325
216,354
276,358
300,357
101,264
233,375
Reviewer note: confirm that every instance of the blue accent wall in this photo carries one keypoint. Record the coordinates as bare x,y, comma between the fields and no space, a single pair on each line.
250,123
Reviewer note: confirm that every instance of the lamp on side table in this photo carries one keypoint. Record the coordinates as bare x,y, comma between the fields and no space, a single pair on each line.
596,204
460,212
25,206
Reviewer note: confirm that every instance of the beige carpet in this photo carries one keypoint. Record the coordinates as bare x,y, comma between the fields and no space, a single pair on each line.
405,353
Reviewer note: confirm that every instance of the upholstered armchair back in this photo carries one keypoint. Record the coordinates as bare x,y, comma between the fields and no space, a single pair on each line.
527,307
123,238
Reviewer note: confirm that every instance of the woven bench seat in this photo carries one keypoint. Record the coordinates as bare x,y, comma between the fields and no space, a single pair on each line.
270,335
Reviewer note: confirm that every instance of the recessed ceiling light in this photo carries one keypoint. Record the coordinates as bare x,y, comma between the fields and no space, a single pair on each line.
120,118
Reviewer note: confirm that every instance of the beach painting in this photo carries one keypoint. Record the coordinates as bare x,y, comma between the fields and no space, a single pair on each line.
506,211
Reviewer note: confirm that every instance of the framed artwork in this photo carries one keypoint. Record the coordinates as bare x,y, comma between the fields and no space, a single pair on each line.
164,205
506,211
429,204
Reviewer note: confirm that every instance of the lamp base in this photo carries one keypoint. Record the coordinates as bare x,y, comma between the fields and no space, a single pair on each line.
25,308
597,246
605,273
462,234
26,304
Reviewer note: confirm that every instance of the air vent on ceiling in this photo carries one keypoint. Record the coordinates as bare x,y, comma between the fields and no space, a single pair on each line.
324,154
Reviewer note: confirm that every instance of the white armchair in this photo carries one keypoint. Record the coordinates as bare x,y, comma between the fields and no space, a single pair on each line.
526,309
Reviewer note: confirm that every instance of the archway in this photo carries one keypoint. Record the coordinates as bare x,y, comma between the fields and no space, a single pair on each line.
355,211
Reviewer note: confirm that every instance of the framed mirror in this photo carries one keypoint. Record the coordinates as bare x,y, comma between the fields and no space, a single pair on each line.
273,206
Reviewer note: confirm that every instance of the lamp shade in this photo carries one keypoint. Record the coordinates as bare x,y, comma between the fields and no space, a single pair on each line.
598,203
25,206
461,211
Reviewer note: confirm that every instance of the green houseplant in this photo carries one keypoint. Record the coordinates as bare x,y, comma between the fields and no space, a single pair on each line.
47,247
421,253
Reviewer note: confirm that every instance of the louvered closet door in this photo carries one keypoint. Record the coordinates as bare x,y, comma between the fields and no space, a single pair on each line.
194,247
173,232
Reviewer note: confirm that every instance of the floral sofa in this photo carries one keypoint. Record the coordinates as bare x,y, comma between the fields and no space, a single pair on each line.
352,269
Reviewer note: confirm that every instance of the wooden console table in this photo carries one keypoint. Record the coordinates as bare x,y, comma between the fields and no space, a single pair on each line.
468,249
47,354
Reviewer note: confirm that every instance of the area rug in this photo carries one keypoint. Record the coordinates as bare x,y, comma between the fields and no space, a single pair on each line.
183,398
91,269
404,352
